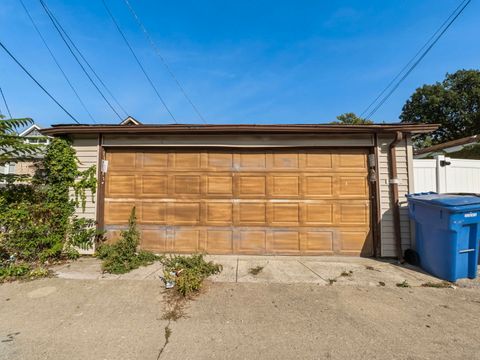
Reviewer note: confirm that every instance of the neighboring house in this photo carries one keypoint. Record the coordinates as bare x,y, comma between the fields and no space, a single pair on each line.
464,148
252,189
31,135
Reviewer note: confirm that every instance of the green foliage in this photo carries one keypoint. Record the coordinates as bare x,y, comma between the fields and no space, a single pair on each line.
38,218
122,257
191,270
453,103
351,119
13,147
19,270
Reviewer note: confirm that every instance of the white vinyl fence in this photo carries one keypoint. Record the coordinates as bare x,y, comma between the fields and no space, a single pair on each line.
443,174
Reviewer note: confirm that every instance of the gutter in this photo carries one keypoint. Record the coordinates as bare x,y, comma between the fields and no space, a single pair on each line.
393,182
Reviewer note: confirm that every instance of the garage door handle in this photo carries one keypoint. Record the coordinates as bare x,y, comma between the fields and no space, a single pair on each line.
466,251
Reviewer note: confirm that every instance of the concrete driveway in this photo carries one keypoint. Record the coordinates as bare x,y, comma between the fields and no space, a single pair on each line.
243,316
321,271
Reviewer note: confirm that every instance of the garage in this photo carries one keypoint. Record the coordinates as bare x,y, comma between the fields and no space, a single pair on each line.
313,201
277,189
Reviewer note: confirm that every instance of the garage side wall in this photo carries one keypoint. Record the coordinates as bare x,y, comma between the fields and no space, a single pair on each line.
404,160
87,149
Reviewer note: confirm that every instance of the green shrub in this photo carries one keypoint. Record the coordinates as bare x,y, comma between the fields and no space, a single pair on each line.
37,218
122,257
191,270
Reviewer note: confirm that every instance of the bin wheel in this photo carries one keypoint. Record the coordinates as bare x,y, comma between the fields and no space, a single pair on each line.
412,257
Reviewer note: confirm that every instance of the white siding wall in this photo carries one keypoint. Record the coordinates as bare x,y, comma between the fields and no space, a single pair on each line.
87,154
404,160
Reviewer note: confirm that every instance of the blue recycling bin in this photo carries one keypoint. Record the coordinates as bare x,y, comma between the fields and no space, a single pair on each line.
447,233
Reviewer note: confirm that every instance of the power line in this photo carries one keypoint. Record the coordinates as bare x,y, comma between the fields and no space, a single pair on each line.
88,64
164,62
410,61
54,22
36,82
137,60
425,52
56,61
5,102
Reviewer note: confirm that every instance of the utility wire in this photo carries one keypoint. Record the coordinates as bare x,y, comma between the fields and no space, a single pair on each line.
53,20
5,102
138,61
411,60
414,65
72,43
164,62
36,82
56,61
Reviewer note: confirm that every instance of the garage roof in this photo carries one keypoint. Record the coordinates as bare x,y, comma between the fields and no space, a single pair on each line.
64,129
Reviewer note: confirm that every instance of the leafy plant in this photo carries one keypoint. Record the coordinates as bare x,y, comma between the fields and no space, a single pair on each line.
255,270
122,257
403,284
38,222
190,271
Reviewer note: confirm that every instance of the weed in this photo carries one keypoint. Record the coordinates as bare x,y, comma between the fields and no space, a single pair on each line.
346,273
331,281
381,283
403,284
168,333
122,256
18,271
38,272
255,270
438,285
368,267
190,271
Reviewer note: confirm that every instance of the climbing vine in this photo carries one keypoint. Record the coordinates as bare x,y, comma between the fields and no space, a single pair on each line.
38,218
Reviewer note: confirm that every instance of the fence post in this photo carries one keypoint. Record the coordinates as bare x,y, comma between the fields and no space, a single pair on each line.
441,174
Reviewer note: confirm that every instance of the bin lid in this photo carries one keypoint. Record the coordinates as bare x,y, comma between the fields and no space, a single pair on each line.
448,200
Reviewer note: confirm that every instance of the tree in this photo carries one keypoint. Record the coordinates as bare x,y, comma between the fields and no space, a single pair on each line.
351,119
13,148
454,104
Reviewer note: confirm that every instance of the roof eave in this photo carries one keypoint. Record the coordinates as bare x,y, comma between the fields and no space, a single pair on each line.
235,129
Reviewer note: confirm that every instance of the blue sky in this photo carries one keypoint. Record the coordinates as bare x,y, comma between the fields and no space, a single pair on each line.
240,61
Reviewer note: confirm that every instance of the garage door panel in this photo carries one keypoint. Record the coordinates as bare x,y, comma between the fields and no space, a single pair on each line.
219,241
153,161
186,185
252,161
318,214
118,212
121,160
219,161
251,213
353,213
185,213
318,186
285,241
218,213
219,185
242,201
352,186
153,185
284,186
185,160
318,241
186,240
252,241
284,161
318,160
152,213
284,214
251,186
154,240
119,185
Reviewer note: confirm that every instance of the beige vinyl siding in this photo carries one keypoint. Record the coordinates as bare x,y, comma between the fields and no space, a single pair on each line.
403,163
87,153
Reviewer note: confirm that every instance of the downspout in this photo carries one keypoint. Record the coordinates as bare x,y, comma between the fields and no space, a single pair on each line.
393,182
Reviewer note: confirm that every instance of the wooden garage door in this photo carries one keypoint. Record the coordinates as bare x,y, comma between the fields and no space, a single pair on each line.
245,202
